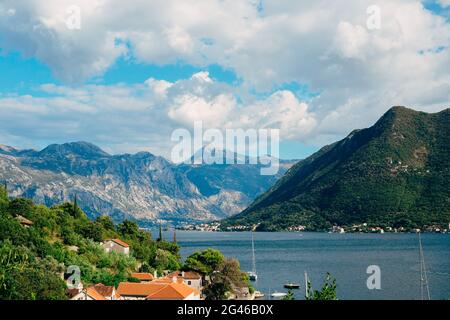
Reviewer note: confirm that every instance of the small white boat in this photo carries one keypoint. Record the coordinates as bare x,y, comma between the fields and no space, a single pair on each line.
252,276
258,295
278,294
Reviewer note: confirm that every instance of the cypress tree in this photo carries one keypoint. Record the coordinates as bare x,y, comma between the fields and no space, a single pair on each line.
4,191
160,233
75,206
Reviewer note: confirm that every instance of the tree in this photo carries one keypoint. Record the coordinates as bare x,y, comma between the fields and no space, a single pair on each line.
92,231
166,261
205,262
128,229
75,207
328,291
289,296
25,277
3,197
21,206
106,222
160,238
225,279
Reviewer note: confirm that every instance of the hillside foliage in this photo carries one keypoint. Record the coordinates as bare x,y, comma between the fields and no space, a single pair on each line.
33,259
395,173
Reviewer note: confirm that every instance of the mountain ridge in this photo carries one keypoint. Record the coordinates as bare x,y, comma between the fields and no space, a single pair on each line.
138,186
386,167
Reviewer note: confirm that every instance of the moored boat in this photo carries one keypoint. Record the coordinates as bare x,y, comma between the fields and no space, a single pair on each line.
252,275
279,294
292,286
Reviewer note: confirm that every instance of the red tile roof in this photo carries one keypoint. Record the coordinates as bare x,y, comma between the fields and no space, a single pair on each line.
138,289
156,290
173,291
106,291
189,275
92,292
119,242
143,276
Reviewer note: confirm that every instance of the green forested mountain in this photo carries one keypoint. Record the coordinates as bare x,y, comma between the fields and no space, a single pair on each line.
395,173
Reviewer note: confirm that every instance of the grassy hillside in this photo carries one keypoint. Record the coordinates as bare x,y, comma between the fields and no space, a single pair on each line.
394,173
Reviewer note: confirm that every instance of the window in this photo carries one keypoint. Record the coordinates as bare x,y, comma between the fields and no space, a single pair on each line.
189,283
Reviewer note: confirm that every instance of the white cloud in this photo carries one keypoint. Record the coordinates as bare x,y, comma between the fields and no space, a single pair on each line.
143,116
322,44
444,3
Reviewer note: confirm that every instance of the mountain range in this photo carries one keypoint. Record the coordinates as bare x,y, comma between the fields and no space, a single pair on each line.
395,173
140,186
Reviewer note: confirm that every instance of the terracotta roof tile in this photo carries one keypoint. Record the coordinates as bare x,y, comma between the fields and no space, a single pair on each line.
119,242
138,289
106,291
91,292
173,291
191,275
143,276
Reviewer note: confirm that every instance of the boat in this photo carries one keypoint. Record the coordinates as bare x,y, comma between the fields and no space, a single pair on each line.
279,294
292,286
252,275
258,294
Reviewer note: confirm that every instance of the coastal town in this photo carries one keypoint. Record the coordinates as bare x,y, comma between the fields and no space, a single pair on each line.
355,228
175,285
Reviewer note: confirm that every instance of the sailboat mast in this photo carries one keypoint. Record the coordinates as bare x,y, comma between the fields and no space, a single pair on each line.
423,272
306,286
253,256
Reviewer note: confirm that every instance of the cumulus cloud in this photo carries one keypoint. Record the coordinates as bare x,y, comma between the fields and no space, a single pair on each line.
130,118
321,44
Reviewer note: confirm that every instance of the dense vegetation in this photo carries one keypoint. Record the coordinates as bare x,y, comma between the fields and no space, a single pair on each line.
225,274
33,259
395,173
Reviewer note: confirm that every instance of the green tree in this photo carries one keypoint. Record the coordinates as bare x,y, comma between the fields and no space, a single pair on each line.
106,222
160,237
225,279
21,206
128,229
289,296
205,262
166,261
3,198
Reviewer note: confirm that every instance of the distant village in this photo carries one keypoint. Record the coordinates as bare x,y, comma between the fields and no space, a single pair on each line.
356,228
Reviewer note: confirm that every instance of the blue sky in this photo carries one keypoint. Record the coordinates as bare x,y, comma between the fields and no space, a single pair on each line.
315,72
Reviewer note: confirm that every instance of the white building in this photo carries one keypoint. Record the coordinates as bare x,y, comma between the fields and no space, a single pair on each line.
116,245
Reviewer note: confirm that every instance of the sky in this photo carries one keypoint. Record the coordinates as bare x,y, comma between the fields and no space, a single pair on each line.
128,75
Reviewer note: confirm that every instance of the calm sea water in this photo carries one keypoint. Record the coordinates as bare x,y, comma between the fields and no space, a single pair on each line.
283,257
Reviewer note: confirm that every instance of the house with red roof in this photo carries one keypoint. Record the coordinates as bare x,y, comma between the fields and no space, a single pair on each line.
98,292
116,245
143,276
191,278
158,289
